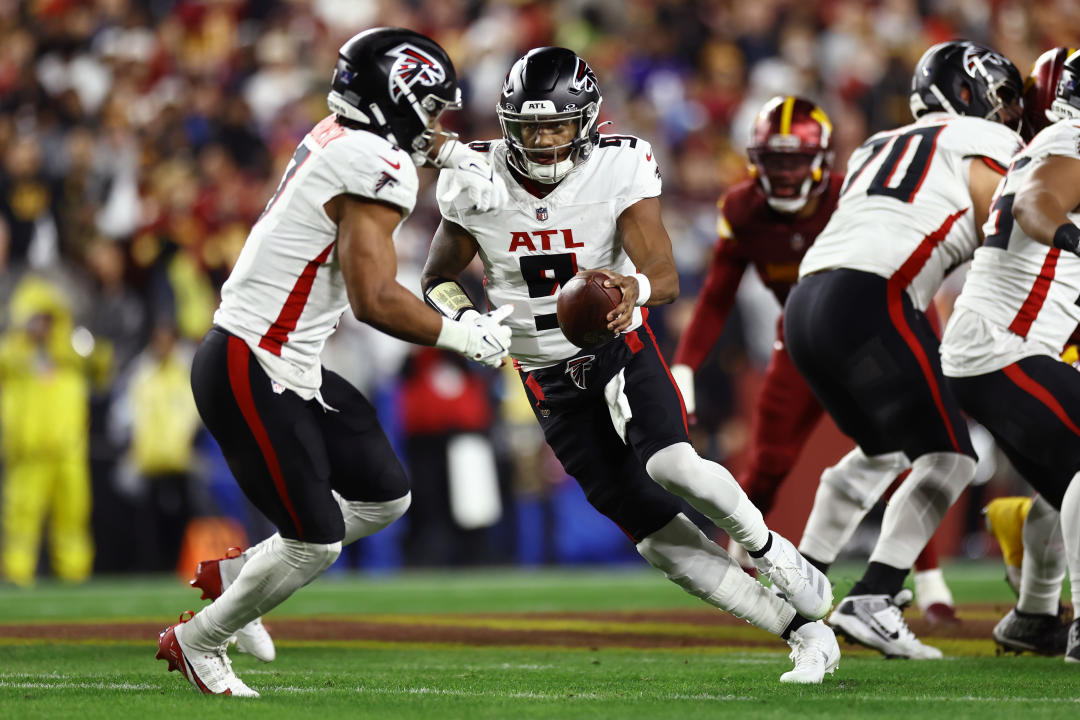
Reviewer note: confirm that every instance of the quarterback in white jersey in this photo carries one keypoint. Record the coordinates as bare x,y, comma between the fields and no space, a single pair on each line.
580,200
1018,308
910,211
304,445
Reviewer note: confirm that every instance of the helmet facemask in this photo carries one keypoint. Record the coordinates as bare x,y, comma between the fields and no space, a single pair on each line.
1066,104
789,178
550,163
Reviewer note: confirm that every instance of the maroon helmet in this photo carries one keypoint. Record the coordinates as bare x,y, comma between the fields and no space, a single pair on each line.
1039,88
790,151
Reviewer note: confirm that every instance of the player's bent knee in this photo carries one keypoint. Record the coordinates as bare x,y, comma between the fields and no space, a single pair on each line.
675,468
367,518
686,557
944,473
308,559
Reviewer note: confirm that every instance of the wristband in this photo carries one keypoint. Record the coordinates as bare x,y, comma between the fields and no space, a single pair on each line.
448,298
1067,237
644,289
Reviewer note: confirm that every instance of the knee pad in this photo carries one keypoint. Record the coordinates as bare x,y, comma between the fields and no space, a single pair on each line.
686,557
674,467
862,478
680,470
367,518
942,476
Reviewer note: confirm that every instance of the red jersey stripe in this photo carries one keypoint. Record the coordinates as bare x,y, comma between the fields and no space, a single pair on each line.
278,333
1024,381
537,391
1033,303
898,283
239,356
994,165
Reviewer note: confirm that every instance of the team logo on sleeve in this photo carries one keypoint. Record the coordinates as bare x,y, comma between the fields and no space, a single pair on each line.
411,66
577,367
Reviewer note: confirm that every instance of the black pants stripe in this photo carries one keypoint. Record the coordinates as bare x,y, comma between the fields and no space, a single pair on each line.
288,453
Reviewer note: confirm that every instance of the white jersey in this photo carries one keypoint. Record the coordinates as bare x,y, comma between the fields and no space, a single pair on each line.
286,293
905,211
1020,298
533,245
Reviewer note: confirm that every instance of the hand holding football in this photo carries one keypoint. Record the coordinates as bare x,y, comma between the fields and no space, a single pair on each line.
583,306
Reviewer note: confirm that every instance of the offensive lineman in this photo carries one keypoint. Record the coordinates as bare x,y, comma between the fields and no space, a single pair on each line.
580,200
855,324
1019,305
303,444
769,221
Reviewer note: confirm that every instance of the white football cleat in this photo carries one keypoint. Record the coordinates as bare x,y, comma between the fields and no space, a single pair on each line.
254,640
210,671
815,652
804,586
877,621
212,577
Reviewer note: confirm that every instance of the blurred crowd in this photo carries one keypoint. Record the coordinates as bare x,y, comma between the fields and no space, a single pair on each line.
140,139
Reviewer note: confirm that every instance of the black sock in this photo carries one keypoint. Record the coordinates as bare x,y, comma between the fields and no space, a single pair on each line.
764,549
880,579
822,566
796,622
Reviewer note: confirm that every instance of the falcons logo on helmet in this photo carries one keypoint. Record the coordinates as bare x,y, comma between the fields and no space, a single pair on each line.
576,368
583,79
974,60
411,66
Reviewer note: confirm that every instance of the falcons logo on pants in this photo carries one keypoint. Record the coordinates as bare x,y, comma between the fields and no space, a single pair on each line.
412,65
577,367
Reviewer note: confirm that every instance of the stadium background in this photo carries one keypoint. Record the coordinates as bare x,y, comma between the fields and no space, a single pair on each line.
139,140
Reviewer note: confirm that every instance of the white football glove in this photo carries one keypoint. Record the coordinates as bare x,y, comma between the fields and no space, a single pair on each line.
684,379
470,172
478,337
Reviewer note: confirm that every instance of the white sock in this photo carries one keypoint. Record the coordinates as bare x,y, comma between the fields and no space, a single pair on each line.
275,571
930,589
711,490
1070,533
1044,563
702,568
918,506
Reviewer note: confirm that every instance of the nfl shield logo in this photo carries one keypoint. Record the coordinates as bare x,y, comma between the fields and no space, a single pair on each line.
541,214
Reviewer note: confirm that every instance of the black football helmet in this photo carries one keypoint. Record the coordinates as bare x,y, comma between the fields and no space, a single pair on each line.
964,78
549,86
396,83
1066,103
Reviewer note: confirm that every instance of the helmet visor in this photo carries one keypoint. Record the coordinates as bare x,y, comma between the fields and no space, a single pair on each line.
542,139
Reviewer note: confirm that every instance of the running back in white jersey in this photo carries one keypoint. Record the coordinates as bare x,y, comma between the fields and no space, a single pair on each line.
905,210
532,246
286,293
1028,292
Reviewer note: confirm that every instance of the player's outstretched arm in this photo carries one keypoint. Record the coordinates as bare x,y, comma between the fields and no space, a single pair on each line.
452,249
646,242
1049,192
369,265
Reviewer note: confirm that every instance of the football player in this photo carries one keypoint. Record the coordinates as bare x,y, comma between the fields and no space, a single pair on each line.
769,221
910,210
1018,308
303,444
581,200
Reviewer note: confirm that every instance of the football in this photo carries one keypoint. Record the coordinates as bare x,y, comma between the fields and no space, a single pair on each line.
583,306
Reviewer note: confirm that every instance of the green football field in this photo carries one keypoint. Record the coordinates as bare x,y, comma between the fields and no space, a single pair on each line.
592,643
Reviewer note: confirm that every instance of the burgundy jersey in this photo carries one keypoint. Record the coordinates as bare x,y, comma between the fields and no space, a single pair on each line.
751,233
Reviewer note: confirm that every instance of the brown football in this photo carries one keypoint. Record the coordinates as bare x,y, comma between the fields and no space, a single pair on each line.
583,306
